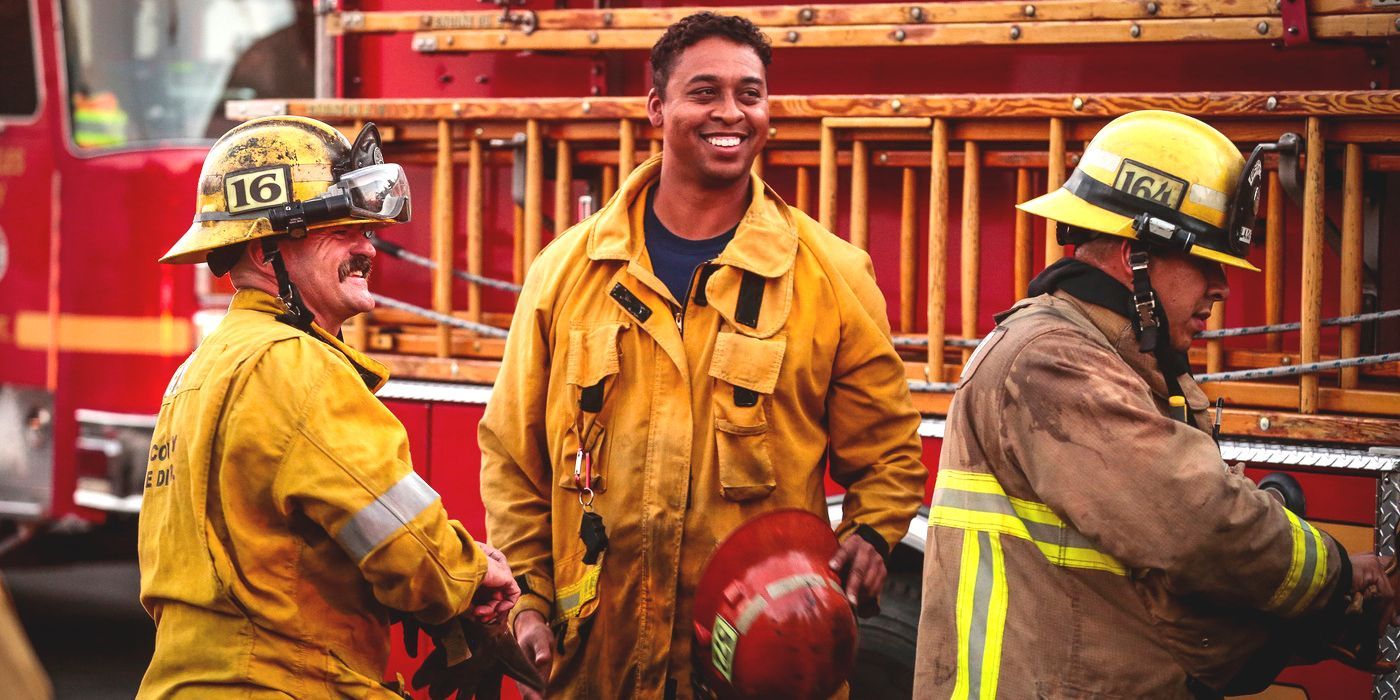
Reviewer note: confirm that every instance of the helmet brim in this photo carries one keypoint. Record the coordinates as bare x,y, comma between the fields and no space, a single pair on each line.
1063,206
202,237
788,532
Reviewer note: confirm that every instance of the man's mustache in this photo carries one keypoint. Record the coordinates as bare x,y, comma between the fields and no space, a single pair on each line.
356,263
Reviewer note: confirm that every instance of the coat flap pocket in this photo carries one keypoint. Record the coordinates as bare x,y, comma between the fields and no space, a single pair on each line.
593,353
748,362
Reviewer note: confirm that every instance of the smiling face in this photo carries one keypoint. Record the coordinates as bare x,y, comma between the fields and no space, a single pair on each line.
331,269
1187,287
714,117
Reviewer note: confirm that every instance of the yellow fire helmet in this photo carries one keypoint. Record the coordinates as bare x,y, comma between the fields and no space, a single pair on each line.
289,175
1165,179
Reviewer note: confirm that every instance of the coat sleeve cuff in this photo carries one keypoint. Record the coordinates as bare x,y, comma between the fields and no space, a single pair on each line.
1341,590
531,601
877,541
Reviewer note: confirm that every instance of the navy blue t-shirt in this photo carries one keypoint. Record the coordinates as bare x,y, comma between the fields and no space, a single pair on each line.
674,259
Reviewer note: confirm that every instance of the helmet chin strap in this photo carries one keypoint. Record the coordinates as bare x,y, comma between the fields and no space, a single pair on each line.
296,315
1151,327
1150,320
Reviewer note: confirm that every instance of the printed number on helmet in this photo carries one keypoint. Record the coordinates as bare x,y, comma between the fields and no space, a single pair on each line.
257,189
1145,182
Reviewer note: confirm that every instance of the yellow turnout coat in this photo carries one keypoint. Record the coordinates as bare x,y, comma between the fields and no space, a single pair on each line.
282,520
710,414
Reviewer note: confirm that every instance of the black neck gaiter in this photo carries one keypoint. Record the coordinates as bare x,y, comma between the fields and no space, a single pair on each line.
1090,284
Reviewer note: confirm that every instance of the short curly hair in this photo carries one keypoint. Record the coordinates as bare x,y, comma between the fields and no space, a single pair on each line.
695,28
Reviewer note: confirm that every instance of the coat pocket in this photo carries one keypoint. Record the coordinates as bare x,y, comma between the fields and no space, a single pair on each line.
592,366
745,371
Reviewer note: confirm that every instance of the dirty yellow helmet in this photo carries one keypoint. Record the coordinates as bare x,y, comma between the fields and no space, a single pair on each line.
289,175
1165,179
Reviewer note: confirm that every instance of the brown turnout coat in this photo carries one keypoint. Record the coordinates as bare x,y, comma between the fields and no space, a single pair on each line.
680,461
1082,543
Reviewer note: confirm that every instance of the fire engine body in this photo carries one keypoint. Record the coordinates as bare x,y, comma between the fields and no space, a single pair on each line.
909,129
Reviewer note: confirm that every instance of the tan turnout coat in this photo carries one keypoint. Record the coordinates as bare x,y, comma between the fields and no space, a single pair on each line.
680,463
1084,544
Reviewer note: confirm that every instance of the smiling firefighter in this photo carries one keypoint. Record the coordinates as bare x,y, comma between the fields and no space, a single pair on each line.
693,356
289,525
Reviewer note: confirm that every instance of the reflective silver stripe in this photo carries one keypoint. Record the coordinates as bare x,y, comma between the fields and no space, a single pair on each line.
380,520
981,616
778,589
570,601
989,503
1303,590
1208,197
981,606
756,605
1061,544
1101,159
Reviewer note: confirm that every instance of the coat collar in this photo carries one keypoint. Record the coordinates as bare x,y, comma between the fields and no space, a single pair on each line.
1118,330
765,242
373,373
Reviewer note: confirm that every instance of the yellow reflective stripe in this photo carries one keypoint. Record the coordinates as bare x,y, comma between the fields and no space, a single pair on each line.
986,483
1058,554
967,585
1081,558
1320,571
977,521
1295,565
1314,577
996,622
570,599
968,481
971,487
1035,512
981,616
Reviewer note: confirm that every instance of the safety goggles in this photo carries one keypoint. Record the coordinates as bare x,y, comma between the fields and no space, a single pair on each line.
377,192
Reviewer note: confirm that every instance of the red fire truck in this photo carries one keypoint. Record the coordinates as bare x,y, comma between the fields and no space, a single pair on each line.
106,111
909,129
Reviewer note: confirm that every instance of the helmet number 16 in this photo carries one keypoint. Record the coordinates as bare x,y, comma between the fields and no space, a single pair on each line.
256,189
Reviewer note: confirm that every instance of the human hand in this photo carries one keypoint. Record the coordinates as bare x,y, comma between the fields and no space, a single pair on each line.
537,643
498,591
1373,577
862,570
471,659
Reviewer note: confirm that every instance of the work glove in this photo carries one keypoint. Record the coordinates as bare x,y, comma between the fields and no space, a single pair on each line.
410,626
471,659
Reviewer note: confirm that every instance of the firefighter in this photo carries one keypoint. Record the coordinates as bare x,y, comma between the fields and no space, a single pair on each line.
695,354
1086,537
282,521
98,120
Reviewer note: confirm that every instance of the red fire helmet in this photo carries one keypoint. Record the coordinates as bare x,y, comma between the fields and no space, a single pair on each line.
771,618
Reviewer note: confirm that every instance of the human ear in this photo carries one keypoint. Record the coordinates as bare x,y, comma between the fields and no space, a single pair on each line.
654,108
1125,252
